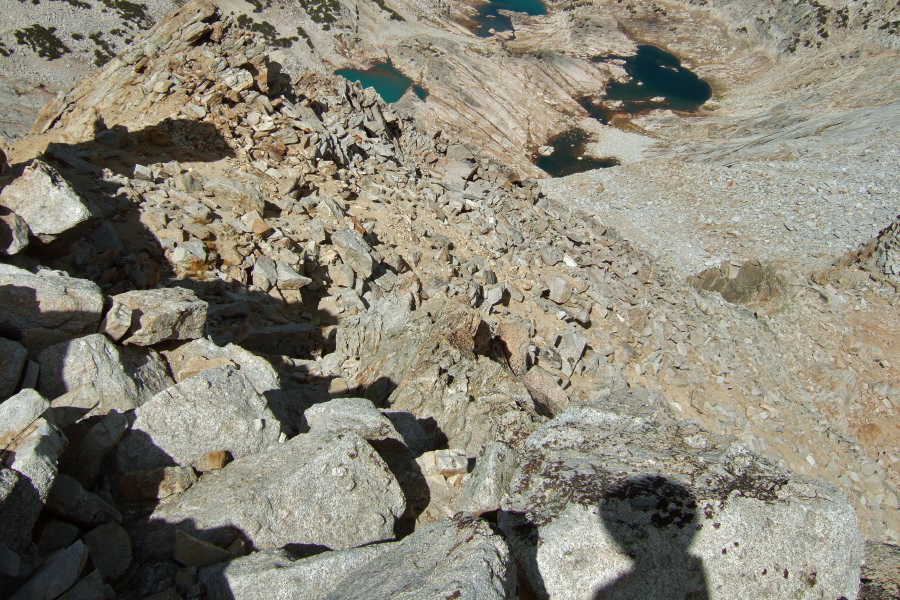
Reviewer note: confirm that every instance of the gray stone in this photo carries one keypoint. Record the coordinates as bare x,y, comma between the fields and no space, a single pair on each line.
332,491
90,587
192,552
69,500
13,234
265,274
235,195
545,390
297,340
58,573
36,455
342,275
159,483
489,483
617,503
19,412
95,359
289,279
73,406
350,414
354,251
101,439
48,300
12,362
56,535
147,317
560,289
409,428
20,505
571,347
46,201
110,548
459,558
218,409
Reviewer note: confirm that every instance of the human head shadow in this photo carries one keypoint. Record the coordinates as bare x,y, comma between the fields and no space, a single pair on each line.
653,520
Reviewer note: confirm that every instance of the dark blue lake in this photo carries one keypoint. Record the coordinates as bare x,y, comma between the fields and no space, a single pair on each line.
568,156
489,16
390,83
658,81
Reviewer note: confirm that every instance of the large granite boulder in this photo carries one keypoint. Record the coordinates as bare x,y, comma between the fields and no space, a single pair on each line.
218,409
48,300
329,491
124,378
49,205
612,501
12,362
454,558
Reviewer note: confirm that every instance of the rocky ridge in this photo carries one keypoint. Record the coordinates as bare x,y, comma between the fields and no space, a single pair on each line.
384,306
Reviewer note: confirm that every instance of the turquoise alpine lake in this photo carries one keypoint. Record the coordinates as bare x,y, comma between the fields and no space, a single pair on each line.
489,16
390,83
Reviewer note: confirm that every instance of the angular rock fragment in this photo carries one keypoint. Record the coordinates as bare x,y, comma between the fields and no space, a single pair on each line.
20,505
354,251
69,500
234,194
454,558
18,413
147,317
101,439
12,361
610,500
159,483
545,390
58,573
110,548
489,483
48,204
48,300
332,491
90,587
218,409
35,454
350,414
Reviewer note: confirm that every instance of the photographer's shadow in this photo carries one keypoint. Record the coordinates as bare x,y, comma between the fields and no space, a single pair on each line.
653,520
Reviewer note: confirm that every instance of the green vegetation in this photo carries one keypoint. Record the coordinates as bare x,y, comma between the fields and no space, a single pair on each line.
103,53
42,40
4,51
76,3
135,14
323,12
302,33
268,31
77,37
390,11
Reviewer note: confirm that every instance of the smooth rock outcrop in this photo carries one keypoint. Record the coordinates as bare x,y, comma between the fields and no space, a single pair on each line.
453,558
46,201
48,300
333,491
218,409
147,317
615,504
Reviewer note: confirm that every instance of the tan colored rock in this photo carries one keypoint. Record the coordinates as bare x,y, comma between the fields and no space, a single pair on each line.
192,552
545,390
212,461
147,317
156,484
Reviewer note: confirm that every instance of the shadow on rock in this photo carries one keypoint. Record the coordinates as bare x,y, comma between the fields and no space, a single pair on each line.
653,520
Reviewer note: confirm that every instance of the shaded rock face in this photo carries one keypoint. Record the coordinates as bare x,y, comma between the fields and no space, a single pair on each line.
621,506
882,254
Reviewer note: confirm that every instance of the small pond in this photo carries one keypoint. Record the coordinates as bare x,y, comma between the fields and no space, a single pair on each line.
489,16
568,156
390,83
658,81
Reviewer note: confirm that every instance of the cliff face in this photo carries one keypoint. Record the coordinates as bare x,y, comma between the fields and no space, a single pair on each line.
273,321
